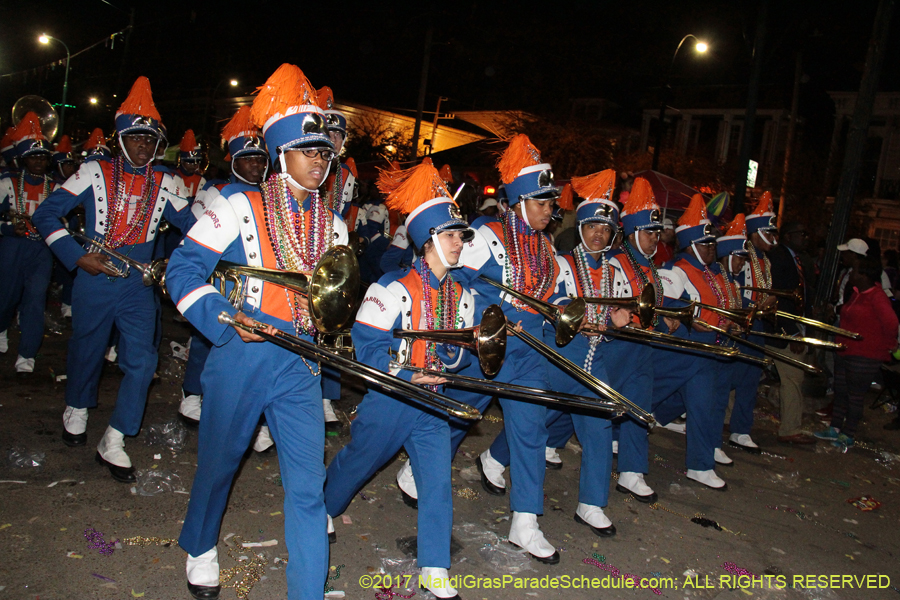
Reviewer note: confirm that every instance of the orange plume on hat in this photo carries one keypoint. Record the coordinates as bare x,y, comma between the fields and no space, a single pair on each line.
351,164
64,145
188,142
286,88
420,184
566,198
738,226
519,154
695,213
97,139
7,137
764,206
391,177
325,98
598,186
140,101
239,125
446,173
641,197
29,128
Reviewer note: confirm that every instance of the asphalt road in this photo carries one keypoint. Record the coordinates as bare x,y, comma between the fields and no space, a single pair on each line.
785,518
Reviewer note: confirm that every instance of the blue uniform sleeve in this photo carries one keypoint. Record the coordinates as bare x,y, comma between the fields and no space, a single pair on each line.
47,221
216,233
373,332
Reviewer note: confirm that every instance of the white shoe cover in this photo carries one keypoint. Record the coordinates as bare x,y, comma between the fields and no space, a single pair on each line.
264,440
493,470
191,406
75,420
525,533
722,458
112,448
634,483
437,581
24,365
406,481
204,569
707,478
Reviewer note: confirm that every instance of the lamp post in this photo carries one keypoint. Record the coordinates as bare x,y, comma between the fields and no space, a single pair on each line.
45,39
700,47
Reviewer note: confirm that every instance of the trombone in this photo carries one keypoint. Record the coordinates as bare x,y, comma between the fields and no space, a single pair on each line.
384,380
567,321
797,296
489,342
331,288
152,274
642,305
662,339
686,314
488,339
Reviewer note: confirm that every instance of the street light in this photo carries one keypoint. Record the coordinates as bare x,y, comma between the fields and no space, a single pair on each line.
93,100
233,82
45,39
700,47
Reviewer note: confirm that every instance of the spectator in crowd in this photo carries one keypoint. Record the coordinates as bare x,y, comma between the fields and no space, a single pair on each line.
665,248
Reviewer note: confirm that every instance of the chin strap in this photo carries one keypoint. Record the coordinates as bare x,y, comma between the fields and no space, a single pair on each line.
440,252
637,242
287,176
524,212
730,265
773,242
265,173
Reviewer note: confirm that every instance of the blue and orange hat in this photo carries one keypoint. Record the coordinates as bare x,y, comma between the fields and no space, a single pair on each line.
335,120
763,216
734,241
138,113
422,194
189,149
694,225
29,138
526,177
598,207
95,146
286,110
242,136
641,212
63,153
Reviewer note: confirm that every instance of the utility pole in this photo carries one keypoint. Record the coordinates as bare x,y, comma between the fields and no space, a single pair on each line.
423,85
740,188
792,127
856,140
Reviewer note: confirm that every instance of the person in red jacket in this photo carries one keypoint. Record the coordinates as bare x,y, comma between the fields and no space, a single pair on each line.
869,313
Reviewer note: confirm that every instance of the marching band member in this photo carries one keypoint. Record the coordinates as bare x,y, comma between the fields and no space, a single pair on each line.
95,147
124,200
188,171
27,262
425,296
585,272
64,162
733,250
249,165
283,225
692,381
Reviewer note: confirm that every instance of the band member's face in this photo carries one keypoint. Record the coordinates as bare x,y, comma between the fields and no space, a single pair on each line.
596,236
190,166
337,138
737,263
706,252
668,236
648,239
538,211
37,164
307,171
140,148
451,244
67,169
251,167
761,244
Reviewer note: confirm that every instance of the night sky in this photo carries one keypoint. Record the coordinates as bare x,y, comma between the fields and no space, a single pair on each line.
491,55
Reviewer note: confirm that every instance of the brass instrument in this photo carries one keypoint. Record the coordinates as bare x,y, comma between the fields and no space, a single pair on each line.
642,305
152,274
331,288
19,217
662,339
486,386
797,296
744,317
488,339
47,115
567,319
391,383
686,314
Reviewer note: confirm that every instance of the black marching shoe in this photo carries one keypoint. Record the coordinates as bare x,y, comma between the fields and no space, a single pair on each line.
489,487
606,532
204,592
126,475
73,440
409,500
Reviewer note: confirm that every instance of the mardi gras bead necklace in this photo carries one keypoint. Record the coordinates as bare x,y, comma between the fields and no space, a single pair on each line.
22,206
443,316
337,190
597,314
118,206
296,249
642,276
762,271
529,260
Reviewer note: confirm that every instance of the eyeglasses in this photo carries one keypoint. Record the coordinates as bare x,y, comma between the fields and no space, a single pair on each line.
326,153
141,138
706,243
